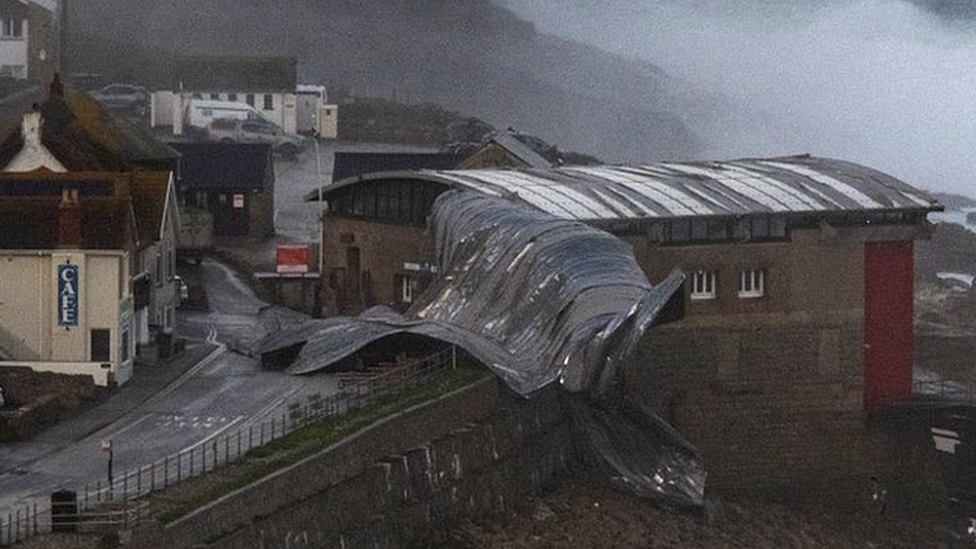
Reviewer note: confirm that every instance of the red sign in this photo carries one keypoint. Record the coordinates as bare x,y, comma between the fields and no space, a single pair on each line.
293,258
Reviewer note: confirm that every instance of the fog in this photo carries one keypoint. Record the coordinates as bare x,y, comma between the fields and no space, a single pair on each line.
882,83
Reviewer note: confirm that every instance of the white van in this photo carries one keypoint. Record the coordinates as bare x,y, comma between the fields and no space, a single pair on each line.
201,112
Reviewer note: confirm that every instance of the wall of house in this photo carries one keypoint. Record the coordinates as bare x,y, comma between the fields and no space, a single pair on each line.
13,50
42,45
29,310
491,156
772,389
260,211
383,250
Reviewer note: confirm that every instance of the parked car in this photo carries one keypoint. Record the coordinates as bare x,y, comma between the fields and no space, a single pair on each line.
123,97
229,130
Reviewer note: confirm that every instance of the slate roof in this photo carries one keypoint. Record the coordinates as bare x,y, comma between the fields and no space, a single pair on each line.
225,166
353,164
148,190
796,184
84,137
520,150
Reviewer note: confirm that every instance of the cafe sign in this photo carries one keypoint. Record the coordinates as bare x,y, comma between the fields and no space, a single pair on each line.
67,295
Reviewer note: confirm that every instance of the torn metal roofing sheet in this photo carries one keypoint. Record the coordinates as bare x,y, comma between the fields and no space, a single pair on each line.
796,184
536,299
527,294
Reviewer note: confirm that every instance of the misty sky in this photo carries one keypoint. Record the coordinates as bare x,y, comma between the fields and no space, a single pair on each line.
879,82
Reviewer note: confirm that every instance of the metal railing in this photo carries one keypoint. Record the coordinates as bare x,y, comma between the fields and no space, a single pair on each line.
121,493
27,521
944,389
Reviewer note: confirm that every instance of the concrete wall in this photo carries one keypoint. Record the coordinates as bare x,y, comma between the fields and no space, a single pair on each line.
480,449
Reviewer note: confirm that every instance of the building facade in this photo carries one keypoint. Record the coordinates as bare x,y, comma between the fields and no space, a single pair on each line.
268,84
28,44
234,182
797,325
70,140
70,310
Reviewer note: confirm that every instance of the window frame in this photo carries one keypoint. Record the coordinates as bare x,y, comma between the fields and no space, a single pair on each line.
752,283
704,285
268,104
12,28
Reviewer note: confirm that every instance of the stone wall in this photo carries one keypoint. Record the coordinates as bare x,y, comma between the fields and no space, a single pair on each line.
477,450
776,407
34,399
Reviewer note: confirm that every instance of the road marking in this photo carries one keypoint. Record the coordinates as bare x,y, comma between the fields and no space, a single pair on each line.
211,436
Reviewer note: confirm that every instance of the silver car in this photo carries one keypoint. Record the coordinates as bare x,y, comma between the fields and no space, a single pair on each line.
256,131
123,97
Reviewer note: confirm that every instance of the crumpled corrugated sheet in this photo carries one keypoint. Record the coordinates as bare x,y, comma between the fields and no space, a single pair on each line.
537,300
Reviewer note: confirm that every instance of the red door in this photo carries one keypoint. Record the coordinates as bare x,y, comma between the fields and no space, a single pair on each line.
888,335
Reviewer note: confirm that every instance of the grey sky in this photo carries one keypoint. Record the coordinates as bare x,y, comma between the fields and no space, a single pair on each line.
879,82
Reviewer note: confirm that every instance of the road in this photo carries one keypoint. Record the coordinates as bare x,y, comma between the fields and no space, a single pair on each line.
226,391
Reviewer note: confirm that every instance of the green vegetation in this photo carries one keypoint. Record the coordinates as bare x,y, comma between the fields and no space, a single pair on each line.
176,501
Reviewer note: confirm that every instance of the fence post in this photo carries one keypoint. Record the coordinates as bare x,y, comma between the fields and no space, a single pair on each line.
179,467
35,517
454,357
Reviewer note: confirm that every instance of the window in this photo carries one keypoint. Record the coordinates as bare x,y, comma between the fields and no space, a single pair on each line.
13,28
752,283
232,97
170,264
268,102
159,269
703,285
249,99
198,96
215,96
407,288
13,71
100,339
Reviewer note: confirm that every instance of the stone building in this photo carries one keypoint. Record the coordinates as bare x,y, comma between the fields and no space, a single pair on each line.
797,324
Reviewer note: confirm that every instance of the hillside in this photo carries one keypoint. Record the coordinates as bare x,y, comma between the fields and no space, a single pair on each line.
471,56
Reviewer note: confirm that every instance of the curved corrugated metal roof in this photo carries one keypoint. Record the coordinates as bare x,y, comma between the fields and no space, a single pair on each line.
676,189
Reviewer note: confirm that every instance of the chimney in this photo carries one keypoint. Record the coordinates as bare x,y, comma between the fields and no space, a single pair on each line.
69,220
30,129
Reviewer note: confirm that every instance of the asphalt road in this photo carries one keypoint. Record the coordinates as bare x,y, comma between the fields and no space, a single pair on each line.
215,396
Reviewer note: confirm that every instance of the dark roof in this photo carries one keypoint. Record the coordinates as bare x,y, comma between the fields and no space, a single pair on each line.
528,149
148,191
229,166
241,74
84,137
32,223
352,164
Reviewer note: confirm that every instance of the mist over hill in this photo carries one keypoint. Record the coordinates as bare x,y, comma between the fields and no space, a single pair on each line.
471,56
885,83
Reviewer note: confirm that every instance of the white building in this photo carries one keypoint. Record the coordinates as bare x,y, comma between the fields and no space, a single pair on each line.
266,83
27,39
